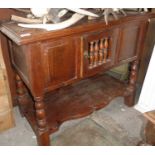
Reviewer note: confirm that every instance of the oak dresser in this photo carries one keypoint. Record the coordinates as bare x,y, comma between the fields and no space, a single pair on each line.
60,74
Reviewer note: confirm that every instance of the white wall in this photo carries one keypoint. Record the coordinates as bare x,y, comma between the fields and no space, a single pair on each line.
147,97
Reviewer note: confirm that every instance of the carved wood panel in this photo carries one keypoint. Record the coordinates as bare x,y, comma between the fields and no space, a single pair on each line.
60,59
99,50
129,41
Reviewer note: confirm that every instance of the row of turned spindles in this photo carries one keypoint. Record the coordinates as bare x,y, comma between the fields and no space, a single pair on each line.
99,52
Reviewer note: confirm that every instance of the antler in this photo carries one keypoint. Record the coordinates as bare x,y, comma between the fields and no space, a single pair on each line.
54,15
75,18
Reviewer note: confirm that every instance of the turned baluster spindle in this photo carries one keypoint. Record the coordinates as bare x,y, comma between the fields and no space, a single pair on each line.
96,51
20,86
21,93
109,50
40,114
91,55
105,50
101,51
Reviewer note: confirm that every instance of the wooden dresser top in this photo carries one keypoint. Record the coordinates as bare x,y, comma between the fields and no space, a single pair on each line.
22,35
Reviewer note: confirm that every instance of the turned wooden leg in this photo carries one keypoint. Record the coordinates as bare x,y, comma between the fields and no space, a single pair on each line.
43,133
22,95
131,89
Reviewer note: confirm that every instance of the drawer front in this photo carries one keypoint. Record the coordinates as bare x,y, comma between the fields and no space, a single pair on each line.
99,51
60,59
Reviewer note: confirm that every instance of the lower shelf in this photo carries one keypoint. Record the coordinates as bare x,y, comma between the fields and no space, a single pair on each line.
77,100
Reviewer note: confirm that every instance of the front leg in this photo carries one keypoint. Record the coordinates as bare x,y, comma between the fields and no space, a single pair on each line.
42,130
131,89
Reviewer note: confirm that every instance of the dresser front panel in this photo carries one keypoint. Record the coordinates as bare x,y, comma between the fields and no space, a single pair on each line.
60,62
129,40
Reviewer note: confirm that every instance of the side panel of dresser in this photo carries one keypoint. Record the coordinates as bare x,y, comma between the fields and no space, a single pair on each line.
26,60
19,60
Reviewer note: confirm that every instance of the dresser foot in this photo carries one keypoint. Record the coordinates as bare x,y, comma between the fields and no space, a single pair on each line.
43,139
130,99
